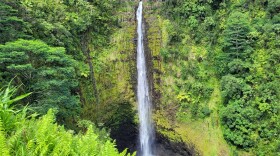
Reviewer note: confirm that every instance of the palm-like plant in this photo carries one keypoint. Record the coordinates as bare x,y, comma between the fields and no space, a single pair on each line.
7,114
7,110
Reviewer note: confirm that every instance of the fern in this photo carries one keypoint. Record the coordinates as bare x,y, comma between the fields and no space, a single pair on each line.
4,150
63,143
42,136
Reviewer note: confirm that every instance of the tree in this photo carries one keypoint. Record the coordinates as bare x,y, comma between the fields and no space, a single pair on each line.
239,68
237,119
235,88
11,26
46,71
274,7
236,43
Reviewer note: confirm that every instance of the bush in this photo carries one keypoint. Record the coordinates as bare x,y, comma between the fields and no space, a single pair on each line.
43,136
238,67
234,88
237,120
206,111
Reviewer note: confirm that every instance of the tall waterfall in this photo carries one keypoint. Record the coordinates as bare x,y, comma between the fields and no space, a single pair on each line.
143,97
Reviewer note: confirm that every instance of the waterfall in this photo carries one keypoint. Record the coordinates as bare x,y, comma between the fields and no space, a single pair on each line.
143,97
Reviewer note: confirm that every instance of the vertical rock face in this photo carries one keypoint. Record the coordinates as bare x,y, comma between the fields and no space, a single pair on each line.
146,130
153,42
149,64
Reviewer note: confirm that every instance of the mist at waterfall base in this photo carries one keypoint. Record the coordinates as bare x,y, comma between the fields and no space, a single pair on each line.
146,130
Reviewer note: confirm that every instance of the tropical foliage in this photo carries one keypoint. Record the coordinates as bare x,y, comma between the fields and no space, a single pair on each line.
214,68
241,44
23,134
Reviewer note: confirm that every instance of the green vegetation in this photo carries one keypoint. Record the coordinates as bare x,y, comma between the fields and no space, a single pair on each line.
214,68
218,75
190,96
22,134
46,71
63,52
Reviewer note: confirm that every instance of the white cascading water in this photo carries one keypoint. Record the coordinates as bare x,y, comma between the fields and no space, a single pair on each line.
144,103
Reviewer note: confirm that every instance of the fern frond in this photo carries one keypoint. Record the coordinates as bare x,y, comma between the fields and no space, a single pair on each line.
4,150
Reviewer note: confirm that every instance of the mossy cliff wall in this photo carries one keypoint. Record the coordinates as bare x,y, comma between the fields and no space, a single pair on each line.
154,41
174,72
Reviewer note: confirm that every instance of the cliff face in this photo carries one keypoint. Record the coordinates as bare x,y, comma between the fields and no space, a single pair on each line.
177,132
173,104
124,83
153,43
186,55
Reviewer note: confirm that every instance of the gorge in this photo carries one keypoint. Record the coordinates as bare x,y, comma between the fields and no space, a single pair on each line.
147,78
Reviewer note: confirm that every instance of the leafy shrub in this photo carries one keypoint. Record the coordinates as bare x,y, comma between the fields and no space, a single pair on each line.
237,120
202,90
233,88
238,67
45,137
206,111
31,135
7,111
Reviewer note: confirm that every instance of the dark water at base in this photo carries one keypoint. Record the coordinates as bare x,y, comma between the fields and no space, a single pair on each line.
127,137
